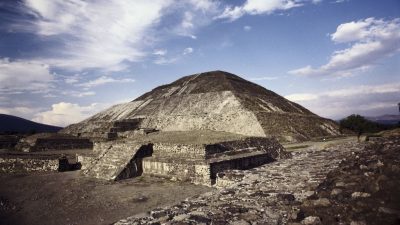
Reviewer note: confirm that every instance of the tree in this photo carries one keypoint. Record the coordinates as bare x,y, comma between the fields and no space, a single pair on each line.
359,125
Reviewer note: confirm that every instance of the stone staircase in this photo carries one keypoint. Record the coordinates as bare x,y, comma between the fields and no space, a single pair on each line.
112,159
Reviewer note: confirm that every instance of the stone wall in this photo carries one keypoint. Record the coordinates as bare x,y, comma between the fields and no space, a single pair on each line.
192,151
242,163
50,142
61,144
192,171
22,164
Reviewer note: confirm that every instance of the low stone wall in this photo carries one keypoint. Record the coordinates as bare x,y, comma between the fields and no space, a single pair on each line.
242,163
195,172
61,144
50,142
191,151
22,164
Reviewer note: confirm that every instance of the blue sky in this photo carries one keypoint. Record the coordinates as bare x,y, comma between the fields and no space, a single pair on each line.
64,60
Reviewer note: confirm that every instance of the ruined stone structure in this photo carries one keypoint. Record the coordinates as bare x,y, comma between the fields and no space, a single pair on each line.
217,101
8,141
18,162
195,161
52,141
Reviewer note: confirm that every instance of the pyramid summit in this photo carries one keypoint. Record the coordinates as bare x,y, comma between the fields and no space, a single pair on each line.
217,101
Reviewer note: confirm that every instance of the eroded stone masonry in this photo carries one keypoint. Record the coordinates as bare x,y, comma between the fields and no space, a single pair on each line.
270,194
193,161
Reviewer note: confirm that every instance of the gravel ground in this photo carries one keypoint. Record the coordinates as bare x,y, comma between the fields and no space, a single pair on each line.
67,198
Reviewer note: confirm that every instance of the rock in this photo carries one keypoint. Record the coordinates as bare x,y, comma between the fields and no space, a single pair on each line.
199,217
181,217
336,191
360,195
318,202
340,184
358,223
239,222
158,213
311,220
286,198
389,211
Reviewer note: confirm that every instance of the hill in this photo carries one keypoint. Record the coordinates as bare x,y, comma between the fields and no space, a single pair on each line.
385,119
14,124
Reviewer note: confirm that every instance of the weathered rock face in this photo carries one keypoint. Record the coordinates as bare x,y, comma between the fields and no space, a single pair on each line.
217,101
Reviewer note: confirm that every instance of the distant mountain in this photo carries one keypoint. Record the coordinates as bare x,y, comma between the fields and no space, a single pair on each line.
385,119
10,123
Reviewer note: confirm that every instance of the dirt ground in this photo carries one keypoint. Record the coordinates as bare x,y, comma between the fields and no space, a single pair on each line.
68,198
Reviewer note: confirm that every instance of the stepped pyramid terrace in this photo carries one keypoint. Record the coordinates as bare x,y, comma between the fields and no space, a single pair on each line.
195,128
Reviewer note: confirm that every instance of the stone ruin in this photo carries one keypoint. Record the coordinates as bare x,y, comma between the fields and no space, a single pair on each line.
217,101
189,130
41,152
52,141
196,161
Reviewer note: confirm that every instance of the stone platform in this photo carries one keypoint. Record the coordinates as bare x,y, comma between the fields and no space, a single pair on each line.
52,141
187,157
28,162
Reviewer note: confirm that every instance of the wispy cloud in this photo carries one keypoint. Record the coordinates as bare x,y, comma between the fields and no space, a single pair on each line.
371,40
258,7
160,52
104,80
24,75
362,99
247,28
95,34
188,50
263,78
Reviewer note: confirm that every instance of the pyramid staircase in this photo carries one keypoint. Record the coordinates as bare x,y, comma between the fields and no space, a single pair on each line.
112,159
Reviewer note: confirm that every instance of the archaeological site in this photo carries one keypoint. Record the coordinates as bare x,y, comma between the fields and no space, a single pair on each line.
209,148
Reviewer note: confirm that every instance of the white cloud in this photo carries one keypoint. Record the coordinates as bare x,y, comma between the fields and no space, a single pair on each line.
302,97
316,1
371,40
160,52
187,51
79,94
247,28
194,14
362,99
257,7
165,61
263,78
96,34
24,75
348,92
20,111
64,113
72,79
104,80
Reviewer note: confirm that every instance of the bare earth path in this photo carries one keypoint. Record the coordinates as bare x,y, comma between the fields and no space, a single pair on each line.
262,195
67,198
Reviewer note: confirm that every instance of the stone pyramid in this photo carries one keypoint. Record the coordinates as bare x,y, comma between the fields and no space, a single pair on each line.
216,100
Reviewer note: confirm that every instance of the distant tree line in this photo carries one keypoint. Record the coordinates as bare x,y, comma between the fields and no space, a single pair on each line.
360,125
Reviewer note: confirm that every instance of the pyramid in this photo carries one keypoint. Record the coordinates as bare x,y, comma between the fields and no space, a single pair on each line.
216,101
